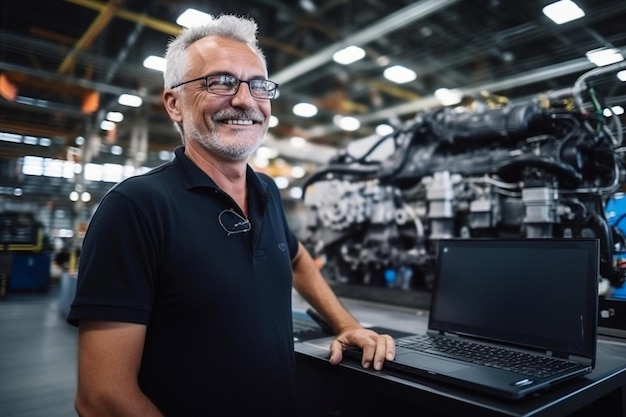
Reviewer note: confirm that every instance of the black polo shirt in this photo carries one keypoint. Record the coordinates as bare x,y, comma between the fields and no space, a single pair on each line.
170,250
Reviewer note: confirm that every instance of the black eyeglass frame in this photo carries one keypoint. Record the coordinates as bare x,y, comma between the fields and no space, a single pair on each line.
236,90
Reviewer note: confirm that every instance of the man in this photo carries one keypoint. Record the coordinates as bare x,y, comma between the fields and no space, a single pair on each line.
184,288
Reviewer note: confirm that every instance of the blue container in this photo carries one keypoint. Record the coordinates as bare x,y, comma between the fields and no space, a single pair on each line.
30,271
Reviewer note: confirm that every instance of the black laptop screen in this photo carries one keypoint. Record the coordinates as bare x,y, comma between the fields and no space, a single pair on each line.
534,292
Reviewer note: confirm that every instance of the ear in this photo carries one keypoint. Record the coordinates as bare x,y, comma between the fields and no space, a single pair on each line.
170,101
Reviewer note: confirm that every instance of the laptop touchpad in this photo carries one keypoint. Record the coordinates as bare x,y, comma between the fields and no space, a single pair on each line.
430,363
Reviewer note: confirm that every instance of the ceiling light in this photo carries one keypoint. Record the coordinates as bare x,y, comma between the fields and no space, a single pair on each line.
305,110
399,74
115,116
193,17
107,125
615,110
297,171
604,56
259,162
266,152
85,197
297,142
308,6
348,55
281,182
130,100
165,155
622,75
563,11
74,196
384,129
154,62
347,123
295,193
273,121
10,137
448,97
30,140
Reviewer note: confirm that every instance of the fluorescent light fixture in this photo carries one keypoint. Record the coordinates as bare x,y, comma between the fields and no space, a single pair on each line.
130,100
154,62
10,137
563,11
347,123
30,140
448,97
107,125
622,75
305,110
273,121
193,17
604,56
348,55
115,116
399,74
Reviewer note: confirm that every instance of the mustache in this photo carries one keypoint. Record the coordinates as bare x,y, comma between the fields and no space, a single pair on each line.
238,115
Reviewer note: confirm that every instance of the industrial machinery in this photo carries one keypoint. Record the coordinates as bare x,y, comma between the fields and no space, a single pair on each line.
534,168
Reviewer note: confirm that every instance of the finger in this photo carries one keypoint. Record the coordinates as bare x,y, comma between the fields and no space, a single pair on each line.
385,348
336,352
391,348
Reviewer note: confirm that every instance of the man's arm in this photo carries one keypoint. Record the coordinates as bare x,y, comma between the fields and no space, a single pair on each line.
109,356
312,286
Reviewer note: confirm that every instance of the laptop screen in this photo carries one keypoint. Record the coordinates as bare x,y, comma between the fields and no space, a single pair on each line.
540,293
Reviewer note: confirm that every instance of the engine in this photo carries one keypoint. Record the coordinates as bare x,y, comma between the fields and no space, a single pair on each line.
537,168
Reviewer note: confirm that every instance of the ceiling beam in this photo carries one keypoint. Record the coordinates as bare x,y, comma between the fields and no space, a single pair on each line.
90,35
156,24
394,21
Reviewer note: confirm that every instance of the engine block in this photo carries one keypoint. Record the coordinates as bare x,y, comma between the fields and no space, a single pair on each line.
537,168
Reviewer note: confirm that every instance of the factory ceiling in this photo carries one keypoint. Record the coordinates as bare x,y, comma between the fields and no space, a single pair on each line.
64,63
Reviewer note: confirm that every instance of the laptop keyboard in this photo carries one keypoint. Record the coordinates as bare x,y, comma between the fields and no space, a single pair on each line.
524,363
304,325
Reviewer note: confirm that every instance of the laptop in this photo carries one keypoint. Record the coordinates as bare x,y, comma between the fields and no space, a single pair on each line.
529,305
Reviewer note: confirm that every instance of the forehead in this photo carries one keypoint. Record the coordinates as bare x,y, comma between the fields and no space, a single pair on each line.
214,54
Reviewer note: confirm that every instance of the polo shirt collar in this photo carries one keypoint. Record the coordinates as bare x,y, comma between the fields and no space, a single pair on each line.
192,176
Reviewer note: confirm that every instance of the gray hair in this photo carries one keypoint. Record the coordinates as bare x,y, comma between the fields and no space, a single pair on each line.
226,26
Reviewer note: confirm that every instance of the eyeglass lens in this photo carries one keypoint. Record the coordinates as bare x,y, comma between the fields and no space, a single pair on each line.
229,85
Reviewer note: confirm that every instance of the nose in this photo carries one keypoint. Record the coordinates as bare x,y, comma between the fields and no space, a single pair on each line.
243,94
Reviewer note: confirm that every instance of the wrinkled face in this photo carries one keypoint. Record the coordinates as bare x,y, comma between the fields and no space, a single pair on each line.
229,127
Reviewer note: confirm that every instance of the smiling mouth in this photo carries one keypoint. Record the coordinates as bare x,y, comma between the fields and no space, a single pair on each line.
239,122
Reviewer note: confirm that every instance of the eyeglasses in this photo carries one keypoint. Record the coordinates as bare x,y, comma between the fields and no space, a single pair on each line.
228,85
233,223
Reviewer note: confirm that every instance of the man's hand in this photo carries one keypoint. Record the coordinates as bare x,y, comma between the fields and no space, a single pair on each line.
376,347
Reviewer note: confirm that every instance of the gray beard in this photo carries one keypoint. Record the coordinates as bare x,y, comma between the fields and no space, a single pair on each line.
240,151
